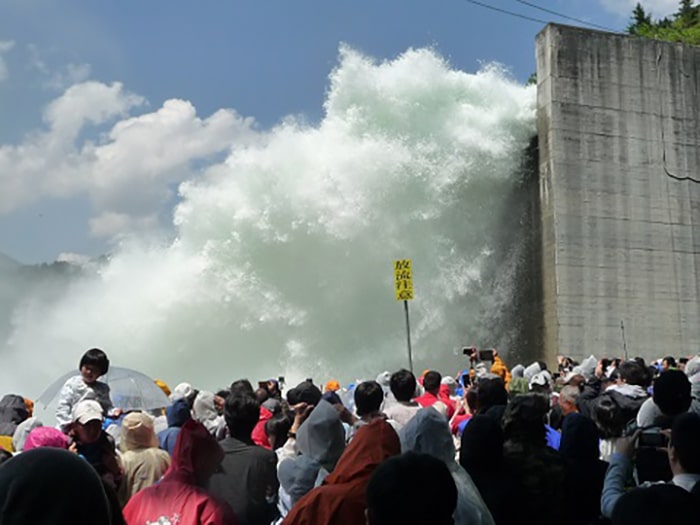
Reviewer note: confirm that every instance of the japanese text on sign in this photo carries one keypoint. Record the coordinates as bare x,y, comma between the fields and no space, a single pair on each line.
403,280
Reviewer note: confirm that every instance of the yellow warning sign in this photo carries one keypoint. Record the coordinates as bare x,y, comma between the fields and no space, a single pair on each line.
403,280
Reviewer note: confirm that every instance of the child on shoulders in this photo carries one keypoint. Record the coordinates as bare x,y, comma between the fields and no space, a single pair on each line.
93,365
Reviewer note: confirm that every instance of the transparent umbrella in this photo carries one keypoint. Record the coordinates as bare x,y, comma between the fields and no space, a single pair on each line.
129,389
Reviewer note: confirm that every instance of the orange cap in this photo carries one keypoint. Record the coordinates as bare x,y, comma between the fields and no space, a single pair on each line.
332,386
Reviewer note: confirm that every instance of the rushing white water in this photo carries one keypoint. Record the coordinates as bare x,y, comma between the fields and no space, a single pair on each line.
282,261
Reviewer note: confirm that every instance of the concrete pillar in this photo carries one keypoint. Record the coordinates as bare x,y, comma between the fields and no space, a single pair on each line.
618,125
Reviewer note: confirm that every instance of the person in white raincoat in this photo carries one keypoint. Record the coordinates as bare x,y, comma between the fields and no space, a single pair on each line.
429,433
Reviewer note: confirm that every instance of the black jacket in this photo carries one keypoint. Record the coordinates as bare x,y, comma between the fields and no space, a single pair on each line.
247,480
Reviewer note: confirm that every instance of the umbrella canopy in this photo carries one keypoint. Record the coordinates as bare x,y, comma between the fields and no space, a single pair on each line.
129,389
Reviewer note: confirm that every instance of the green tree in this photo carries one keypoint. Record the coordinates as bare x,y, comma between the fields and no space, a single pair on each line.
640,19
688,15
683,26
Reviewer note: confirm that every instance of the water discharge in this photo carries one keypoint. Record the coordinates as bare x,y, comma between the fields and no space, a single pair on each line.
282,256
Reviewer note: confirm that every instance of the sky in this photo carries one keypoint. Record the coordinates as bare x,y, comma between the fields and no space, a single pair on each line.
107,107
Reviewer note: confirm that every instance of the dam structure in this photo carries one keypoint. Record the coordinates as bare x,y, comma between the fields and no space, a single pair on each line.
618,121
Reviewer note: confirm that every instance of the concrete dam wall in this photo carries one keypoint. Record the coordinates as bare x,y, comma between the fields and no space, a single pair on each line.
619,164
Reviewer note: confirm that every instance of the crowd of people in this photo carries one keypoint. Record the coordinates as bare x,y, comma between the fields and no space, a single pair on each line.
601,441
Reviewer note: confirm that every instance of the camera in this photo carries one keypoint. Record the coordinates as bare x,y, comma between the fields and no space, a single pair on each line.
485,355
474,354
468,379
652,438
469,350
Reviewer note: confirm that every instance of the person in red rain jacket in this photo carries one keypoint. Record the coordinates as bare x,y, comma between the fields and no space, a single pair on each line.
342,499
180,498
431,384
259,436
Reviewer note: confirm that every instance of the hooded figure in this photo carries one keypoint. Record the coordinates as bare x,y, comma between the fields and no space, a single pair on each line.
47,485
633,392
320,443
23,429
13,411
204,411
537,469
542,379
182,391
531,370
585,472
143,462
450,383
342,499
177,414
428,433
629,393
45,437
613,410
384,380
501,370
587,367
692,370
180,496
518,385
481,455
517,371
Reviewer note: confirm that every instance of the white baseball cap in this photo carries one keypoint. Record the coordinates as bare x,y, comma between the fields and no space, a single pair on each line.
86,411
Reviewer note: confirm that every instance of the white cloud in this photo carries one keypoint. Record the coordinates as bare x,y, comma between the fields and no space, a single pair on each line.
5,46
49,163
155,149
89,102
659,8
130,171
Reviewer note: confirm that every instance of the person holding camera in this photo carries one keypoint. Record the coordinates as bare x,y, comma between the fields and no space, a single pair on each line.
671,398
498,367
683,459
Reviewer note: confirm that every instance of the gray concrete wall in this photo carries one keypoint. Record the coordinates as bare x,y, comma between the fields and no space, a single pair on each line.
618,124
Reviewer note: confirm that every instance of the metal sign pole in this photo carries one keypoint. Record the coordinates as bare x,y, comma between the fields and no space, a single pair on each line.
624,339
403,286
408,337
